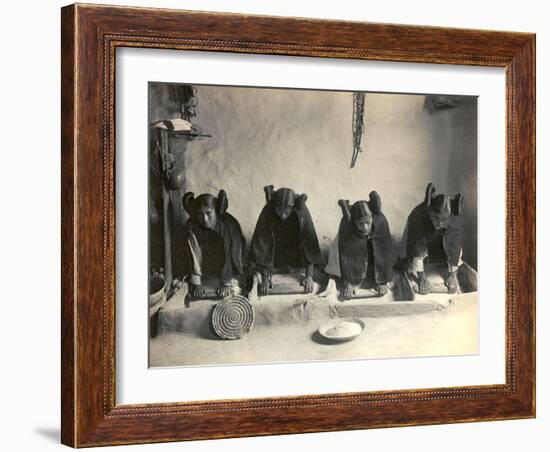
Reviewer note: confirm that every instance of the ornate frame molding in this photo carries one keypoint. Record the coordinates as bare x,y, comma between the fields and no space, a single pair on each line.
90,37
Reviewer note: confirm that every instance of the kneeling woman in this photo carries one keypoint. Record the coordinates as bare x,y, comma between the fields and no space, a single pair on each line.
361,253
214,244
284,238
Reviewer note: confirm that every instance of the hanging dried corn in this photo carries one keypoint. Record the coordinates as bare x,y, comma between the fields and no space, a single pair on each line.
185,100
357,124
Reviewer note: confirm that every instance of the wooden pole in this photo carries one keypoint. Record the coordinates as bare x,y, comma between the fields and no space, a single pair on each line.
167,237
167,233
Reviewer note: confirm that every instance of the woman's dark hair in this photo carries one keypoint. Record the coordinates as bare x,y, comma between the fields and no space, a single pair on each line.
190,203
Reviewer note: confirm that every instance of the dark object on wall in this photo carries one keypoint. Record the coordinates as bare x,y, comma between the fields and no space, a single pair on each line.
434,103
357,124
185,99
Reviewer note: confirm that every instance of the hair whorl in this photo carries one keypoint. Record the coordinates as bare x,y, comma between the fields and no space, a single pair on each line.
344,205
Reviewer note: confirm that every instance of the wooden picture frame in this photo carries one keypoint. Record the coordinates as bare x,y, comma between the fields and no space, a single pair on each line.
90,37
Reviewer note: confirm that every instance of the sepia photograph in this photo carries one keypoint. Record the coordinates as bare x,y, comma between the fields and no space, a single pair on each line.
294,225
307,203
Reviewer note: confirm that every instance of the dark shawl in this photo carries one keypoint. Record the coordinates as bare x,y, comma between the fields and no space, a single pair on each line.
262,246
353,249
229,230
422,236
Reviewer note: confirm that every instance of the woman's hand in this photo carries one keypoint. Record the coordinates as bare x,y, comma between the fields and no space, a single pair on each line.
196,291
451,282
382,289
308,284
349,291
223,291
424,286
266,284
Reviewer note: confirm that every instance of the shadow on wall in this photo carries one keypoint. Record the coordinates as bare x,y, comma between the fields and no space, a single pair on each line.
302,139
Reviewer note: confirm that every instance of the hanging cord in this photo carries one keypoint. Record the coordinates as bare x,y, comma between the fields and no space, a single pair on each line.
357,124
166,156
185,100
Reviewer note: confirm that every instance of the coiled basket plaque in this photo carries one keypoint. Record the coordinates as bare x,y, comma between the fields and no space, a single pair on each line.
233,317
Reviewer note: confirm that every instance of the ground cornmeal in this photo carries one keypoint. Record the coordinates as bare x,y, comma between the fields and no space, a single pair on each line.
344,329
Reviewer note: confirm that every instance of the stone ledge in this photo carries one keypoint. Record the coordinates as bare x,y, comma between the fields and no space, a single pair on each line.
295,309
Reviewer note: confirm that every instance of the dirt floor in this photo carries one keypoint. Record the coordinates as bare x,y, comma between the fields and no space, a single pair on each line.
452,331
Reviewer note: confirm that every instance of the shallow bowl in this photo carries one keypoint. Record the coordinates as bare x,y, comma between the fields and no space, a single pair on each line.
341,330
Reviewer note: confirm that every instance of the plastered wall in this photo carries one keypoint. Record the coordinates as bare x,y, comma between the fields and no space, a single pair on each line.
303,140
